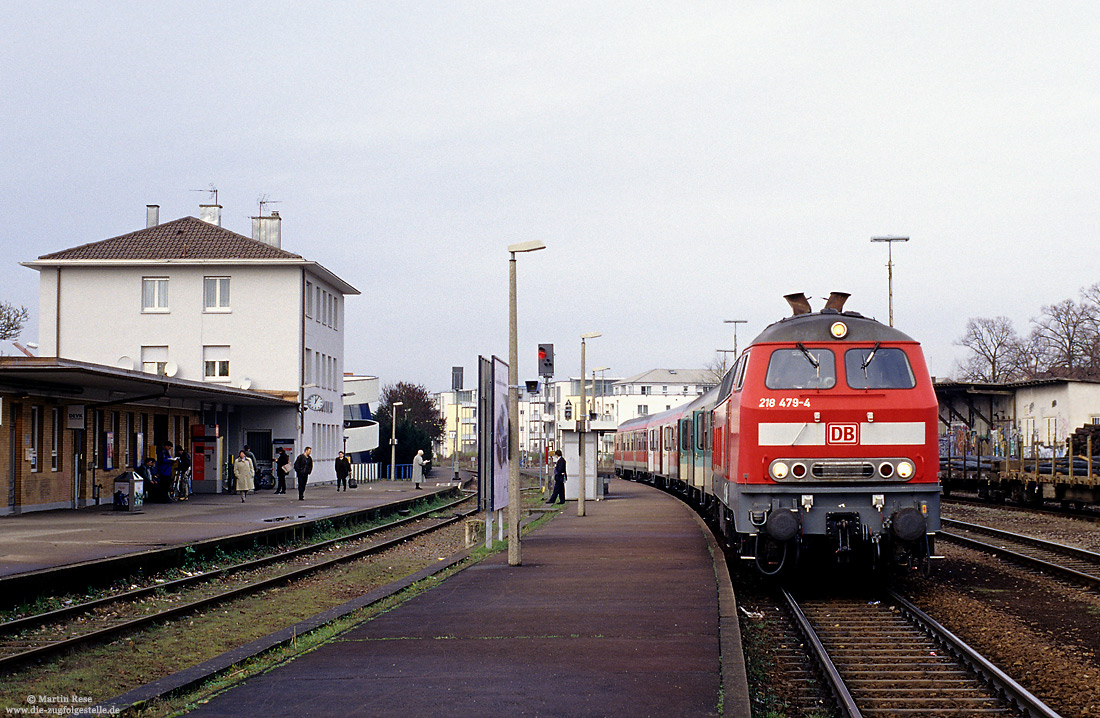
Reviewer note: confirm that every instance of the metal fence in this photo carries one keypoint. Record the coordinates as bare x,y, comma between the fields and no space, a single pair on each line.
363,473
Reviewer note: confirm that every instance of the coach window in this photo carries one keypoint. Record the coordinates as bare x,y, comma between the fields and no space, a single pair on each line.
878,368
685,435
739,371
801,368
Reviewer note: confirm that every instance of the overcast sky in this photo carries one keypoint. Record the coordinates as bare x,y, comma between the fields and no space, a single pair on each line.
684,162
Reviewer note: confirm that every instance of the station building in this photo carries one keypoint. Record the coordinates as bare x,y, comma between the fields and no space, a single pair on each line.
68,428
191,304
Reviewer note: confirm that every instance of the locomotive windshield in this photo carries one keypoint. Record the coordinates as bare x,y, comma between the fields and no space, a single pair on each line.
801,368
878,368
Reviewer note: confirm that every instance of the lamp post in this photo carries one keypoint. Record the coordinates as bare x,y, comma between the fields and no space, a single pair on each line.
890,268
582,425
393,439
513,404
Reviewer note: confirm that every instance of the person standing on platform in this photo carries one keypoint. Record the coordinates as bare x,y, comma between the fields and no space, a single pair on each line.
282,468
244,471
303,465
343,470
183,466
418,468
559,479
165,460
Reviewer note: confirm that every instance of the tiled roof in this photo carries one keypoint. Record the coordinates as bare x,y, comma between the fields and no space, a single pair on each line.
185,238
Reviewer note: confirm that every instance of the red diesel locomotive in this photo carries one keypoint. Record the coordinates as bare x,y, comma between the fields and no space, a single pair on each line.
822,439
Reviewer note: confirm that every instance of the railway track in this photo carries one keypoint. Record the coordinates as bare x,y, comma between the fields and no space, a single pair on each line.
40,635
888,658
1066,561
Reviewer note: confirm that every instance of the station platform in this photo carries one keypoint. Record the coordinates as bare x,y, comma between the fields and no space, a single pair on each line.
626,611
49,539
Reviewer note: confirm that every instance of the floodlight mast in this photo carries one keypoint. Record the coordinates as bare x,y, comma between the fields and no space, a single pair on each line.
890,269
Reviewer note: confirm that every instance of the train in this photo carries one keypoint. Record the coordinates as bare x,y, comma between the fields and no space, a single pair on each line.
819,445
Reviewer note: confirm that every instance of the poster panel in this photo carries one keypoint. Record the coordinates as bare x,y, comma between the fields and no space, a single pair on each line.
500,434
484,433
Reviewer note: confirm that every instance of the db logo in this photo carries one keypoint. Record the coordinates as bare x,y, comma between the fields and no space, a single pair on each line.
842,433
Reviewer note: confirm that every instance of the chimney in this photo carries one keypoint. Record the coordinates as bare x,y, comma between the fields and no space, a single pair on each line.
268,230
152,215
211,213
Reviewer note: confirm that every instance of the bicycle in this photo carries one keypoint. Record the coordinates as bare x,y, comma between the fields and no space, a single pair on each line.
177,487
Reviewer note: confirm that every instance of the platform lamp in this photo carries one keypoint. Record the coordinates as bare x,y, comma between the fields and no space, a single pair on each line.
582,425
514,508
890,269
393,439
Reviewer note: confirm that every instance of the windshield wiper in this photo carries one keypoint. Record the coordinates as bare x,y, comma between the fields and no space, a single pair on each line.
809,357
870,357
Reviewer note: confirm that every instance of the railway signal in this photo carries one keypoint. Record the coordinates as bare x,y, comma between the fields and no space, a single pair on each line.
546,360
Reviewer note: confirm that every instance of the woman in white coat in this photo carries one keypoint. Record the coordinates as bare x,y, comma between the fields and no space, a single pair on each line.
243,472
418,468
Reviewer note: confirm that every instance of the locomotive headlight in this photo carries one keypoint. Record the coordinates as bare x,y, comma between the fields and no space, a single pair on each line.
905,469
839,330
779,470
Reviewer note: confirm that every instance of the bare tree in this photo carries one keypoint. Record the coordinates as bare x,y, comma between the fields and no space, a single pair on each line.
12,319
1066,331
717,367
992,343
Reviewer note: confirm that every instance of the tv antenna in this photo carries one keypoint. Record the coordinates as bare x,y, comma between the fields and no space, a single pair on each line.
212,190
264,201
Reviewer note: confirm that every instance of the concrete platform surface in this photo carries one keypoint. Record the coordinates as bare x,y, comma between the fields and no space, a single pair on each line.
46,539
612,614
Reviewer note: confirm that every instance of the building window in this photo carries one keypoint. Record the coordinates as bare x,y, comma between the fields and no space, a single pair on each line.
643,410
309,299
154,294
55,440
215,294
215,361
154,360
36,427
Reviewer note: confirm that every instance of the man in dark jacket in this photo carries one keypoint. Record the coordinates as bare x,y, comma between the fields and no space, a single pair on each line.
303,465
343,470
559,479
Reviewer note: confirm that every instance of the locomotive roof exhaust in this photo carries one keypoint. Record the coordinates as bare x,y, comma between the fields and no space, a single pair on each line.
836,301
801,305
798,303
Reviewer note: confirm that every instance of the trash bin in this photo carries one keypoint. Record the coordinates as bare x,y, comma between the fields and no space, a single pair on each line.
129,492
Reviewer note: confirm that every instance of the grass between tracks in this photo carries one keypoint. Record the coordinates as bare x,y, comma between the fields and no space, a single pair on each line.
104,671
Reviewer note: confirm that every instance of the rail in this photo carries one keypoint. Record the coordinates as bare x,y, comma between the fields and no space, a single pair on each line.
887,658
16,640
1041,554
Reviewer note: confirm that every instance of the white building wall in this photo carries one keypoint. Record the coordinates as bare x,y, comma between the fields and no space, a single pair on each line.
102,320
268,337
